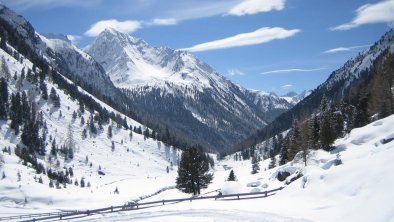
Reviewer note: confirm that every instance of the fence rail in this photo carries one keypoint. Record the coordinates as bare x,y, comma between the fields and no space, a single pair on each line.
132,206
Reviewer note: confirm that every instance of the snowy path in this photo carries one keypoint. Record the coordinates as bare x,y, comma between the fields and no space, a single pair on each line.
201,215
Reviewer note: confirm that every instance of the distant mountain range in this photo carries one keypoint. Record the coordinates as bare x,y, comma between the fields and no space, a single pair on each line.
182,91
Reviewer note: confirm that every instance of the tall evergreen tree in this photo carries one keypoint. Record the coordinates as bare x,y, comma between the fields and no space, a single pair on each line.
109,133
255,165
294,140
16,112
193,172
70,142
327,134
92,127
3,99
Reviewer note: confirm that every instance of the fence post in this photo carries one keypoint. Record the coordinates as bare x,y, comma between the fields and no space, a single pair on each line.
163,202
112,209
137,205
265,193
238,196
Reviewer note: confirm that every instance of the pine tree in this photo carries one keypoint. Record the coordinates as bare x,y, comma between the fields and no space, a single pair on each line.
231,176
70,142
327,134
283,155
272,163
109,131
84,134
54,148
125,125
44,90
82,182
255,165
92,127
294,140
16,112
193,172
3,99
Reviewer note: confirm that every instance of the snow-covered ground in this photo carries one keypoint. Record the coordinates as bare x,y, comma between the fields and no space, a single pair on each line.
360,189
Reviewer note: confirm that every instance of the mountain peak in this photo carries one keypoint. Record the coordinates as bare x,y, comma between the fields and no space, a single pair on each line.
125,39
56,36
290,94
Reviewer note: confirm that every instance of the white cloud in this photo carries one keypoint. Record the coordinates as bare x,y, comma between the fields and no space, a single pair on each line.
287,86
259,36
292,70
161,21
249,7
74,38
196,9
235,72
127,26
345,49
381,12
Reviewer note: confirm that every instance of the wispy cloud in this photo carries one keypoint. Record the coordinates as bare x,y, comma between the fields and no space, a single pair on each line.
27,4
345,49
127,26
249,7
162,21
292,70
235,72
381,12
287,86
74,38
259,36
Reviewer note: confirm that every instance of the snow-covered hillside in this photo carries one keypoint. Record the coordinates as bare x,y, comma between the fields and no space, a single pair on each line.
359,189
134,165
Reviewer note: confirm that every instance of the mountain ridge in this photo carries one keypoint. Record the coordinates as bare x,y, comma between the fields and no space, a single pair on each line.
179,82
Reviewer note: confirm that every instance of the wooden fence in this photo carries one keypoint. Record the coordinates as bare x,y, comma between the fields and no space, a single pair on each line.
134,206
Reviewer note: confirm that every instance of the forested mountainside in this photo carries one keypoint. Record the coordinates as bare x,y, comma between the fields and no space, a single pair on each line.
364,85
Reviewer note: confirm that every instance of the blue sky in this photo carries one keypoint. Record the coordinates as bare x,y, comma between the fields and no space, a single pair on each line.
270,45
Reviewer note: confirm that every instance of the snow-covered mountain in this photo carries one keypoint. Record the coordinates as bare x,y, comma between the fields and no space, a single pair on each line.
178,88
293,97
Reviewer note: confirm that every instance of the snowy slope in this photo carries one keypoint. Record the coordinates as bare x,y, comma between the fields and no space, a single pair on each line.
137,166
358,190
